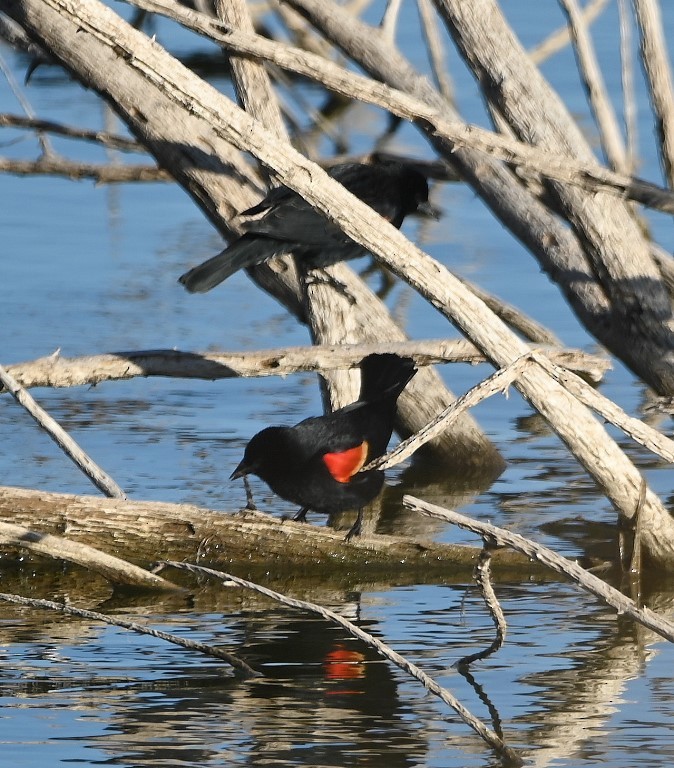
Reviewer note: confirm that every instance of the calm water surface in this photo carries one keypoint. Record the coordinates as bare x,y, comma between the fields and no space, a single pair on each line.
91,270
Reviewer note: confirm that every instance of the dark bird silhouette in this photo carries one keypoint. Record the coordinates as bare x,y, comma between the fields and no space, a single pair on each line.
288,224
316,463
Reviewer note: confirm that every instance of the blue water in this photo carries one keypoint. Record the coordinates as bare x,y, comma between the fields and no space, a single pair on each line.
89,269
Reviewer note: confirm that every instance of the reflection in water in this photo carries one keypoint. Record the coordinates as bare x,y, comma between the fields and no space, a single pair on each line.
325,699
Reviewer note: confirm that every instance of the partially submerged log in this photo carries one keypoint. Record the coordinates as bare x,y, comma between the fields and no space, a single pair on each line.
145,532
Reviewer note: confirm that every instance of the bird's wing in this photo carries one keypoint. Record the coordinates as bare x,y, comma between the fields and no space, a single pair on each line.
294,221
337,444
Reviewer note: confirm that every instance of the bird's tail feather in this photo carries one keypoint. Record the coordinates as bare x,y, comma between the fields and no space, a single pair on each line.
384,376
244,252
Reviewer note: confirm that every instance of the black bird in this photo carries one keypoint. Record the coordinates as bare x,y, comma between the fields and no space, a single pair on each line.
289,224
316,463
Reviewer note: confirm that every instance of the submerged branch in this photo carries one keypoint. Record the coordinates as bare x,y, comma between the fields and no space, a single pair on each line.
588,581
192,645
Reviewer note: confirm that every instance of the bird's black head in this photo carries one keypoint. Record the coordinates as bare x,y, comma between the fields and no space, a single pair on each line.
266,449
414,193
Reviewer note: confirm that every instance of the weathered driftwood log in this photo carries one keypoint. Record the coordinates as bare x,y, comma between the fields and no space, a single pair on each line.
145,532
115,569
57,371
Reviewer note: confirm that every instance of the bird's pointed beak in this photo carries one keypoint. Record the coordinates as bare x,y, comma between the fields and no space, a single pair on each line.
241,471
428,211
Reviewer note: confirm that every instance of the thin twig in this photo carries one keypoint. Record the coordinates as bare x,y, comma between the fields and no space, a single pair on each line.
477,725
559,39
496,383
111,140
436,52
191,645
47,149
627,77
98,477
586,580
483,579
604,114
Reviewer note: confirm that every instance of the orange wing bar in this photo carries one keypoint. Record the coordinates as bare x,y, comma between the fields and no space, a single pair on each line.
344,465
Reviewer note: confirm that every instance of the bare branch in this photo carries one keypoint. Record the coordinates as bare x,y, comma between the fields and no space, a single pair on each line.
588,581
341,80
101,174
436,52
562,37
656,63
110,140
57,371
604,114
191,645
627,77
97,476
114,569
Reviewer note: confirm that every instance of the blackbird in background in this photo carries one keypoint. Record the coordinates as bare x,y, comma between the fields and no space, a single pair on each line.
289,224
316,463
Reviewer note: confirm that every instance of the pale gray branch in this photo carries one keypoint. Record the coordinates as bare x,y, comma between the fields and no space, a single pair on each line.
114,569
560,38
604,114
101,174
341,80
586,580
656,63
57,371
98,477
105,139
192,645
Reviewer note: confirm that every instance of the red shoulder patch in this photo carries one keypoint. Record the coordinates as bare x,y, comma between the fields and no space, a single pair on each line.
344,464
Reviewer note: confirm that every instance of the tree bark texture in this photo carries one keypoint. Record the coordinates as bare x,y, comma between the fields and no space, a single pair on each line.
144,532
642,325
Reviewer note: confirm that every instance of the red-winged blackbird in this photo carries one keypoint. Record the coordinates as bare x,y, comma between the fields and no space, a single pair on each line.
290,225
316,463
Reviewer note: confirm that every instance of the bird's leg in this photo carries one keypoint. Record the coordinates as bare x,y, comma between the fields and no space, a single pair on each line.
250,504
301,516
316,275
356,527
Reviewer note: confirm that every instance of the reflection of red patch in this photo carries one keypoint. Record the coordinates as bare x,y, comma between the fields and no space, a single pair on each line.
342,664
344,464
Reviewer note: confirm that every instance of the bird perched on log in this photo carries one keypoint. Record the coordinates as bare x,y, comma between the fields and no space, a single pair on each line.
286,223
316,463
